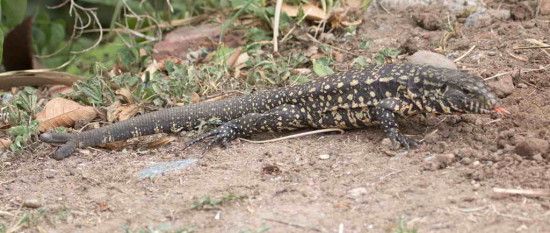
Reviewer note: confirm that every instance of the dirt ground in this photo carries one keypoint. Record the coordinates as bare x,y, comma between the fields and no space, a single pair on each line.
446,185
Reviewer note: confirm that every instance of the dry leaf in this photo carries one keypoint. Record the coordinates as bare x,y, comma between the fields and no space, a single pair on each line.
160,142
128,97
114,145
301,71
195,98
124,112
174,60
311,11
232,59
241,60
354,3
151,69
339,19
60,89
5,143
179,42
63,112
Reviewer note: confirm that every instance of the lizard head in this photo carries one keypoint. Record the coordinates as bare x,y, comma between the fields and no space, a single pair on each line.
451,91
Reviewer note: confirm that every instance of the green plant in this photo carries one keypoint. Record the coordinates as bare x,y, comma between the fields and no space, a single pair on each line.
22,134
321,66
402,227
385,55
165,227
21,107
207,202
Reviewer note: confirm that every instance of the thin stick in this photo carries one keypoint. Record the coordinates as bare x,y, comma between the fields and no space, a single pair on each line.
295,135
517,57
291,224
332,47
533,47
278,7
509,72
527,192
465,54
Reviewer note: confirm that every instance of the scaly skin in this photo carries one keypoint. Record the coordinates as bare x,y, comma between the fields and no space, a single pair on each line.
352,99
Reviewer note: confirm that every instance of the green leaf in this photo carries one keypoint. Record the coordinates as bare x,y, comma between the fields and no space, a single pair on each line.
127,56
365,44
300,79
360,61
321,68
13,12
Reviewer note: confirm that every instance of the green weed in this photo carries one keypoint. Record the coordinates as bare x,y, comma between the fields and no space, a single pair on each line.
403,228
209,203
386,55
164,228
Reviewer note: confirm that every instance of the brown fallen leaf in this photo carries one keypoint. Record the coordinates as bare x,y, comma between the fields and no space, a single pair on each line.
195,98
60,89
311,11
162,63
232,59
5,143
63,112
354,3
160,142
241,60
126,111
339,19
183,41
115,145
126,94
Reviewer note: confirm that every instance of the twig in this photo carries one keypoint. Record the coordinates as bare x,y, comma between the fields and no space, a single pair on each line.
533,47
523,71
278,7
526,192
517,57
292,224
332,47
295,135
465,54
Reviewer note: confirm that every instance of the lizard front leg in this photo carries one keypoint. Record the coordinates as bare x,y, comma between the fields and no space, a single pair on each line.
284,117
385,114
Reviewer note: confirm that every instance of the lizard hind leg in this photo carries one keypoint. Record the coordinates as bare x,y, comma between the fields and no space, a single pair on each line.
284,117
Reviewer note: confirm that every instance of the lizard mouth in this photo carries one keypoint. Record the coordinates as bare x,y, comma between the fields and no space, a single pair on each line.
485,107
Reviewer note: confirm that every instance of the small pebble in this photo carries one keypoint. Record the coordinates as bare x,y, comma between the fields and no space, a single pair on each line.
32,203
324,156
476,163
491,53
356,192
538,157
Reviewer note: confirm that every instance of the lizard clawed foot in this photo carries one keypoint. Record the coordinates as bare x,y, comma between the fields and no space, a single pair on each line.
405,142
222,134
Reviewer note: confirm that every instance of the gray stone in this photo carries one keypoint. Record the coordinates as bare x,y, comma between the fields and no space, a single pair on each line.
531,147
423,57
503,86
480,18
501,14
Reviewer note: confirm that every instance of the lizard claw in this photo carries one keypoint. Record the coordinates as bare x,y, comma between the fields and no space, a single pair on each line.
405,142
222,135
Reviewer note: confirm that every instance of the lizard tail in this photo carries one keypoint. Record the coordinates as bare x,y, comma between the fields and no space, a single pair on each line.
167,120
